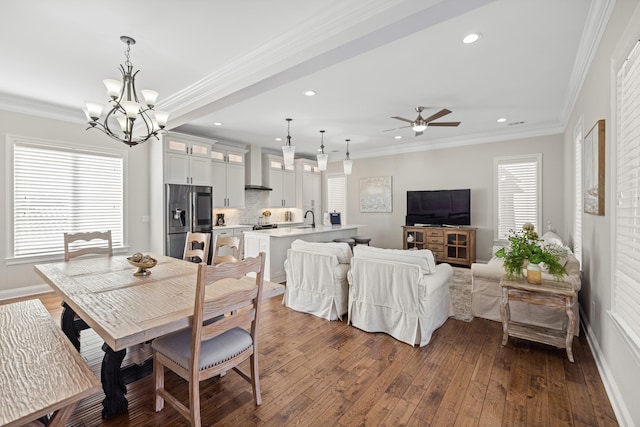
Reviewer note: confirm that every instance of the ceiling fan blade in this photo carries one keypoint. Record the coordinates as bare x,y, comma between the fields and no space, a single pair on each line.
402,118
443,124
403,127
437,115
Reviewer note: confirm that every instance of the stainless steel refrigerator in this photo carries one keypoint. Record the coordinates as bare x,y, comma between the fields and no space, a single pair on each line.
189,208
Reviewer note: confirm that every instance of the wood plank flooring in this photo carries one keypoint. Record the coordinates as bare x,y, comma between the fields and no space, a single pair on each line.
319,373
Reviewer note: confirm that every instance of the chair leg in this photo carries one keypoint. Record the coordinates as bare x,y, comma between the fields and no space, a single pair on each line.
194,402
158,383
255,379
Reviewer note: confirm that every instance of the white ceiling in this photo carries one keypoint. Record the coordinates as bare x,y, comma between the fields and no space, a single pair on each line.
247,63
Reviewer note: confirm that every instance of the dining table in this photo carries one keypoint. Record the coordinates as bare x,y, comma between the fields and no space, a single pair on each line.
126,309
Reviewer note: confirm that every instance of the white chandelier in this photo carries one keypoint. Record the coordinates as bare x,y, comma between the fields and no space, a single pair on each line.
322,157
347,163
126,108
288,150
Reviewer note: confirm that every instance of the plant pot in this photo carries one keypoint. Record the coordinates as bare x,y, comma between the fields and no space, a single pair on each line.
534,274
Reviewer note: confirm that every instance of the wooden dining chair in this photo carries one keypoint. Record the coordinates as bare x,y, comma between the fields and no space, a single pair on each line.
232,247
207,349
103,247
196,247
77,245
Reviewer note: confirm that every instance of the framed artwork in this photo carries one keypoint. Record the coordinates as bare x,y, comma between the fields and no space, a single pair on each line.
593,170
375,194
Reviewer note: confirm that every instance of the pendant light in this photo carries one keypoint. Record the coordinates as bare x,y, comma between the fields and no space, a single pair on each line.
288,150
125,109
322,158
347,163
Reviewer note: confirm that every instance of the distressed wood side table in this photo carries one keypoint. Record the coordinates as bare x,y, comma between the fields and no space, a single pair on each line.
548,293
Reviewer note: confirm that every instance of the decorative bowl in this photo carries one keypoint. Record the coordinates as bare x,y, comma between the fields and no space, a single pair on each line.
143,262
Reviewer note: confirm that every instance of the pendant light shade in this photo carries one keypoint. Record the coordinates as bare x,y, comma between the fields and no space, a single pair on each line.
322,158
347,163
288,150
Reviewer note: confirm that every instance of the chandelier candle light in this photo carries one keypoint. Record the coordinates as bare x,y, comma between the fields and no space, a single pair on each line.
347,163
126,108
322,158
288,150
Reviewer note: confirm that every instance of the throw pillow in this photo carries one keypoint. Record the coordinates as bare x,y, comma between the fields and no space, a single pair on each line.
423,257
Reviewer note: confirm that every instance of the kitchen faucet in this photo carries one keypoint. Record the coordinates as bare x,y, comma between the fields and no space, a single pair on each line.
313,218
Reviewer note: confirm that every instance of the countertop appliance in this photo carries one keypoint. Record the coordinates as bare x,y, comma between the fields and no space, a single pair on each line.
188,208
264,226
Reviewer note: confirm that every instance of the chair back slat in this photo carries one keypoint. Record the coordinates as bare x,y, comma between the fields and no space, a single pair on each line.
234,244
239,319
105,247
228,303
196,246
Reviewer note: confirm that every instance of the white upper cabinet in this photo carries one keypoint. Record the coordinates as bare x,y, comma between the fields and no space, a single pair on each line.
309,189
228,176
187,161
282,180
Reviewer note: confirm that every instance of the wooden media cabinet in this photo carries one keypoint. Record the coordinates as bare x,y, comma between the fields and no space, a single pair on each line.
453,245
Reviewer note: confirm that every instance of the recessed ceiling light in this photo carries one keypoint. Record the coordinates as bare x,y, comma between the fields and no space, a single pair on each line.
397,137
471,38
217,123
502,120
278,139
310,92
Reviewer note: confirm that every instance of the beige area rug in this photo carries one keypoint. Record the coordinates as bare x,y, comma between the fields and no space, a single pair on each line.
460,290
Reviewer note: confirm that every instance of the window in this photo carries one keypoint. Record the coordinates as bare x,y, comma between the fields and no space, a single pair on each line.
517,193
59,189
337,195
577,220
625,308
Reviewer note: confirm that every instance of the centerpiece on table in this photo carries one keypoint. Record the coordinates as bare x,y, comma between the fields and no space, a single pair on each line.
528,251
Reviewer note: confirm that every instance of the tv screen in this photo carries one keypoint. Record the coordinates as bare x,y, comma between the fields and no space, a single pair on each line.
439,207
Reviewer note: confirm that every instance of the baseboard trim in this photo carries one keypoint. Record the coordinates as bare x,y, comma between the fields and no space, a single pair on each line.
615,397
26,291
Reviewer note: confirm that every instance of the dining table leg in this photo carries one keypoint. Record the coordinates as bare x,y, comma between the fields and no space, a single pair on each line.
114,388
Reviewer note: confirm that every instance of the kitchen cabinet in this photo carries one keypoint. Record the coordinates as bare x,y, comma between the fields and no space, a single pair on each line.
228,231
309,188
282,180
227,170
187,161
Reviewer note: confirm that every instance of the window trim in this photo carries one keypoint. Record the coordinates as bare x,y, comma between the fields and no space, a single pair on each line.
11,140
537,157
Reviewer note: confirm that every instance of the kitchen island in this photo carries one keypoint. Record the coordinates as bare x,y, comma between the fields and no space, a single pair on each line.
275,242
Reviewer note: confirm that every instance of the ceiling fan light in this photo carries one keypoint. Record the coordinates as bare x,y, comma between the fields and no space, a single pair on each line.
419,128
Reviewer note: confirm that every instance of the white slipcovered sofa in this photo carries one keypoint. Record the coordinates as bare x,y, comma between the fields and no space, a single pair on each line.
486,292
317,278
400,292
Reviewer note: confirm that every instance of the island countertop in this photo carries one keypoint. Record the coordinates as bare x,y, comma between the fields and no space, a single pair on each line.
302,231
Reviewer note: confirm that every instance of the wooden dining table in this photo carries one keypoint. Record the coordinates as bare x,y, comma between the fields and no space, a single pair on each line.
126,310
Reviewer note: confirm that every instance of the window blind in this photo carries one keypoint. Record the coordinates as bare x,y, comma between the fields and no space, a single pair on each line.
626,283
59,190
337,195
517,193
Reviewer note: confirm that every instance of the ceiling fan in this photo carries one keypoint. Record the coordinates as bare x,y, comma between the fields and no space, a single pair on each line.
419,124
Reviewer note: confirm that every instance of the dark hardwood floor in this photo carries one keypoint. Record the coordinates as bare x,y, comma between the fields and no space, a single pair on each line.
319,373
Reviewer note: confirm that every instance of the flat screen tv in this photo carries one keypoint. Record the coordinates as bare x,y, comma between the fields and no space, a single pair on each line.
439,207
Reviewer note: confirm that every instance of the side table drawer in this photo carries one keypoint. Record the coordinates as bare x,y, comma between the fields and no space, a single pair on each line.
435,233
434,240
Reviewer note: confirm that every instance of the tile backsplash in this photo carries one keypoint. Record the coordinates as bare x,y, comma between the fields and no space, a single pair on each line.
254,206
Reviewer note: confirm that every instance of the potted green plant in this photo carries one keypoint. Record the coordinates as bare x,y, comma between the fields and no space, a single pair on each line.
525,246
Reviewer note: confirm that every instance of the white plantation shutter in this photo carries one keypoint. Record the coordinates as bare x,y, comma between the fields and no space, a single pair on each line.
59,190
626,281
337,195
517,193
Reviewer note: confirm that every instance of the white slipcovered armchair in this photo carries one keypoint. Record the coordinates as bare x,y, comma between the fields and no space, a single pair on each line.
400,292
317,278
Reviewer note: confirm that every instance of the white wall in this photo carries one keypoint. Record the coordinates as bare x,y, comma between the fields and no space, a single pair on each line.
14,277
620,369
453,168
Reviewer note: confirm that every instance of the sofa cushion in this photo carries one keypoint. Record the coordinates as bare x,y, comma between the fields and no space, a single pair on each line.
423,257
551,238
341,250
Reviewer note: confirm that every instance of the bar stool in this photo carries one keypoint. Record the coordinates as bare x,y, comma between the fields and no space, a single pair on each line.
362,240
348,240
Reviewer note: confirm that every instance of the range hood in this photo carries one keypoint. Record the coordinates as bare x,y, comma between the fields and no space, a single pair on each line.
253,170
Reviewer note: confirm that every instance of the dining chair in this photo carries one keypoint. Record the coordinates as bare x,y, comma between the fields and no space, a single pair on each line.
196,247
233,250
77,245
207,349
89,248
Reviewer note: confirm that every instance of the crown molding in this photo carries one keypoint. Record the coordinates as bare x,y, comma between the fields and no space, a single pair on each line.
33,107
